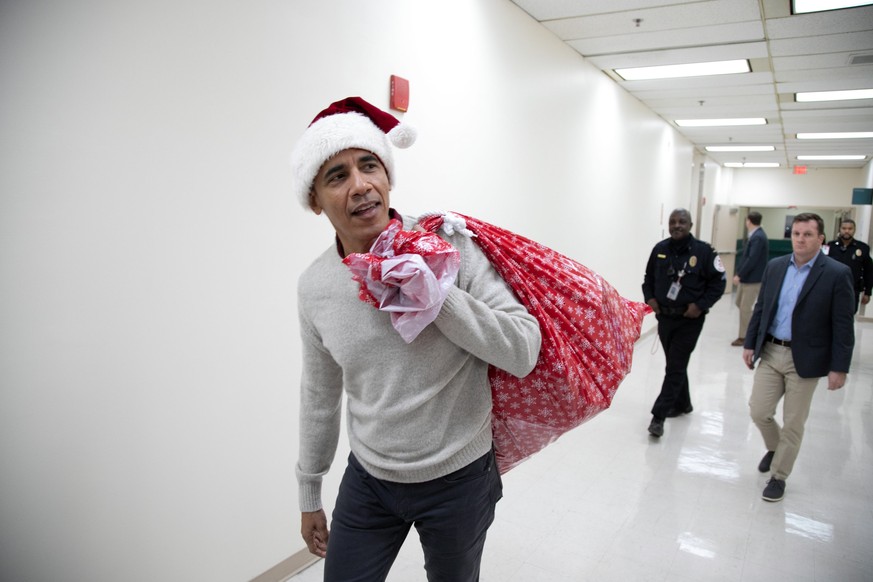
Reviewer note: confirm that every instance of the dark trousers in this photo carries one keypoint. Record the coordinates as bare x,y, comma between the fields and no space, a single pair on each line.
678,337
452,515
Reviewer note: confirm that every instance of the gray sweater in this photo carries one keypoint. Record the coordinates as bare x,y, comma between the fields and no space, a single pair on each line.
416,411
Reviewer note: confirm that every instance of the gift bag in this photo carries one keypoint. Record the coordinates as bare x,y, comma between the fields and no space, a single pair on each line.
588,332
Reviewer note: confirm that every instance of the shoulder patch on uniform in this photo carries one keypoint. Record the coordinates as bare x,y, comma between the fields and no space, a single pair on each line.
716,262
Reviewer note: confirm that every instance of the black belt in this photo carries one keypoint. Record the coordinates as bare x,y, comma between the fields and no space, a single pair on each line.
778,342
674,310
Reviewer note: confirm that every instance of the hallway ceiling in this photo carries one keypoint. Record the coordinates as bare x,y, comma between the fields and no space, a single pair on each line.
822,51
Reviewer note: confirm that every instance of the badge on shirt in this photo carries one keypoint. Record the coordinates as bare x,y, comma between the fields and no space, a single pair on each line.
719,266
826,249
692,262
660,256
857,252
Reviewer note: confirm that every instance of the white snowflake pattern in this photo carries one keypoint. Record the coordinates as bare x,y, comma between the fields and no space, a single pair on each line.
588,340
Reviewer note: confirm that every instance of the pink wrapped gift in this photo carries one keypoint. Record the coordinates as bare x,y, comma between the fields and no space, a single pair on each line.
407,273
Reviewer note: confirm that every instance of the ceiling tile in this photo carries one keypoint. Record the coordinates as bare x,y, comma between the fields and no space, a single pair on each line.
789,53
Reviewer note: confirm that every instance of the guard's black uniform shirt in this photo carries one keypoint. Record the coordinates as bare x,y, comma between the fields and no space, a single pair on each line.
703,281
857,257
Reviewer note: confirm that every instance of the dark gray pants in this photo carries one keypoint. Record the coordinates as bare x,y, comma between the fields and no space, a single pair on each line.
678,337
373,517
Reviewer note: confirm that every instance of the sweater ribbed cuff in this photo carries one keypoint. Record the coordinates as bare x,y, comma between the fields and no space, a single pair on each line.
309,496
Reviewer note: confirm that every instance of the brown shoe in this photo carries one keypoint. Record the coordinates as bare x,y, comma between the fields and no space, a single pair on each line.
739,341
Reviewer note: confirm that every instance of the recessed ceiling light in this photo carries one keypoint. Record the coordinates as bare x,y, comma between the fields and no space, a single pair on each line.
852,157
804,6
810,96
751,165
837,135
740,148
720,122
686,70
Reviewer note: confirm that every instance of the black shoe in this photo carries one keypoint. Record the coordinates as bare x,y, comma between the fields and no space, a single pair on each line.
656,427
775,490
673,413
764,465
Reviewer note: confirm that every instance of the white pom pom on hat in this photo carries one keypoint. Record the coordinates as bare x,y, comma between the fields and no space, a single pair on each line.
349,123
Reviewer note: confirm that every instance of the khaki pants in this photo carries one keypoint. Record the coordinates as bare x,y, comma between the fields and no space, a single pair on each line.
747,294
775,378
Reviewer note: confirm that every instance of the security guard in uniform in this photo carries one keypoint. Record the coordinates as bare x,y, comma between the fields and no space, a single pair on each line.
684,278
855,255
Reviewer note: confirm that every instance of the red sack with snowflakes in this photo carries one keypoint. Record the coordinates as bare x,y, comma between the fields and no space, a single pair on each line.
588,332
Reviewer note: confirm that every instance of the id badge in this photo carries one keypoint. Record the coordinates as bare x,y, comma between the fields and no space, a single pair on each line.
673,293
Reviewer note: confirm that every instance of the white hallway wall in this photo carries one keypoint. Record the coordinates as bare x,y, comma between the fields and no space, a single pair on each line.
781,187
819,188
149,248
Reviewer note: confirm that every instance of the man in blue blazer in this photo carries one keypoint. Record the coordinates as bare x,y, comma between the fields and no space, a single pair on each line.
801,329
750,270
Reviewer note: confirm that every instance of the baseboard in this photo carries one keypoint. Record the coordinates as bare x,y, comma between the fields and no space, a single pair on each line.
287,568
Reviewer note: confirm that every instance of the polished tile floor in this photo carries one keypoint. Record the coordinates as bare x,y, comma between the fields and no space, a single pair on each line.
606,502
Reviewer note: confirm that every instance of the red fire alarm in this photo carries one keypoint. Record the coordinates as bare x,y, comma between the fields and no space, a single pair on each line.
399,93
799,169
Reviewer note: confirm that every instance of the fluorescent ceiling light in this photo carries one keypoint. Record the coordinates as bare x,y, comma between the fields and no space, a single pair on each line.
686,70
852,157
837,135
740,148
720,122
810,96
804,6
751,165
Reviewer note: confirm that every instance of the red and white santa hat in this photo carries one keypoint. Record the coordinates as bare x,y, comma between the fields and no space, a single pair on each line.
350,123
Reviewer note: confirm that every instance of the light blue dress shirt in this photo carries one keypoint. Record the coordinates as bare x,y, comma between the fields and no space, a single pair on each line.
793,282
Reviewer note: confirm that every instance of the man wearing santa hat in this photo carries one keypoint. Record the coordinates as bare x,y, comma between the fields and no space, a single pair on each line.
419,412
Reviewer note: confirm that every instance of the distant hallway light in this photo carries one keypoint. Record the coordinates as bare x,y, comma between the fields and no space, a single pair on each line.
848,95
762,148
720,122
751,164
804,6
837,135
686,70
833,158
